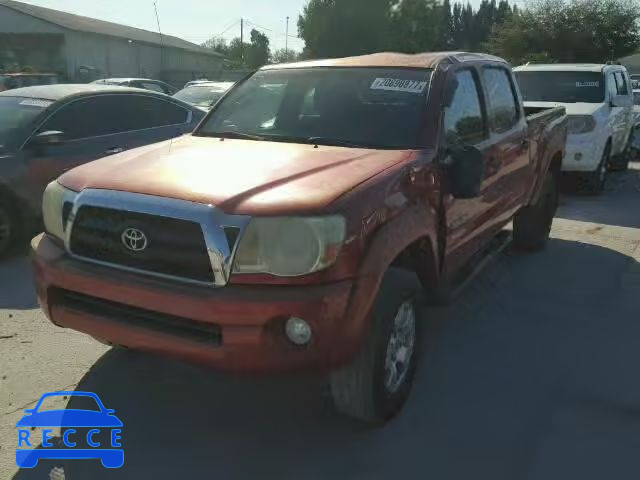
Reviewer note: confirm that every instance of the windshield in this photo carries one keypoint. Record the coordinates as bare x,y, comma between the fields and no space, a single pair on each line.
16,113
561,87
368,107
201,96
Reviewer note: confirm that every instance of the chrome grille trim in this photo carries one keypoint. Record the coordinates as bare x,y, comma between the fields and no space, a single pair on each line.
211,219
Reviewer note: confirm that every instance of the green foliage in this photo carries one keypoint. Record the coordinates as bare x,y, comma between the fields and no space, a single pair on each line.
284,56
569,31
334,28
244,55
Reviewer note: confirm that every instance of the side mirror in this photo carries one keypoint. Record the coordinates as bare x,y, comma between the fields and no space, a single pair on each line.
466,172
48,138
621,101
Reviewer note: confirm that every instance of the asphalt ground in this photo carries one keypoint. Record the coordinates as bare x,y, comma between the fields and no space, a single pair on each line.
532,373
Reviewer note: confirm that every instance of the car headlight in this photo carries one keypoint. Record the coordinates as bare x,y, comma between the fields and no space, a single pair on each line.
56,207
581,124
290,246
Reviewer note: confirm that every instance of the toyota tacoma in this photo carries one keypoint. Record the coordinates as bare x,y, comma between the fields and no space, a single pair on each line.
300,224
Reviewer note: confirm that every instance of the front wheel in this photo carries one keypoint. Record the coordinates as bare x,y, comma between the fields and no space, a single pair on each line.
375,386
7,227
532,224
595,181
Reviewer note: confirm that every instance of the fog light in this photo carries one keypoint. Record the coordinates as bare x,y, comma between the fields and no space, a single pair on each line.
298,331
578,157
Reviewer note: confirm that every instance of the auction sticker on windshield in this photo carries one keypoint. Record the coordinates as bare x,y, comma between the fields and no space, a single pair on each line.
398,85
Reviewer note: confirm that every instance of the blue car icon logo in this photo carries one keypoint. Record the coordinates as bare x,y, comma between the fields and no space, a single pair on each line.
97,421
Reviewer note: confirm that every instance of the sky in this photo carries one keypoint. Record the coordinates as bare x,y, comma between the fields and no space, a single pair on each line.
197,20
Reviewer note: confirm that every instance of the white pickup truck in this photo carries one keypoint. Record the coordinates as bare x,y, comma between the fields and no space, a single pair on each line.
599,103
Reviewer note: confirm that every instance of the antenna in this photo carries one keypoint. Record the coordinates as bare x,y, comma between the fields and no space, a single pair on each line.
155,7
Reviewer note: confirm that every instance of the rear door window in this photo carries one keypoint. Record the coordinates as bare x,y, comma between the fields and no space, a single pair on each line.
150,112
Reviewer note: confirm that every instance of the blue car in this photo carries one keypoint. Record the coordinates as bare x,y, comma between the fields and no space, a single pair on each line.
67,418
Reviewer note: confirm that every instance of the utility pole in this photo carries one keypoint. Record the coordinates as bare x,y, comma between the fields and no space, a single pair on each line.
155,6
242,40
286,39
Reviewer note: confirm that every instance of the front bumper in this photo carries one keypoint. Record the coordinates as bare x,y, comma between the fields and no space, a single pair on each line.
238,328
583,153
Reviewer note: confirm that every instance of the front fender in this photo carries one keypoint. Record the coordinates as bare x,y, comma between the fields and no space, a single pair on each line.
415,224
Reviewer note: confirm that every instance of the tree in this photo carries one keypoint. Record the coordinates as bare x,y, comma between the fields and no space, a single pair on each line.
415,26
217,44
446,27
284,56
335,28
258,51
569,31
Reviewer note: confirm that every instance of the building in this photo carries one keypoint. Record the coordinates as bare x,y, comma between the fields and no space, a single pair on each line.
83,49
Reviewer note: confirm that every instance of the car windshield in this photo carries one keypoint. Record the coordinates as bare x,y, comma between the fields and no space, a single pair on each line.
561,87
201,95
359,107
17,113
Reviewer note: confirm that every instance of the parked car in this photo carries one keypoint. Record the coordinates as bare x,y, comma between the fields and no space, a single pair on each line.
599,103
300,234
204,94
635,81
144,83
195,82
9,81
47,130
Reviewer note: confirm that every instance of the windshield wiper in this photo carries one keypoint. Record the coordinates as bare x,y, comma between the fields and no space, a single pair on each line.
334,142
235,135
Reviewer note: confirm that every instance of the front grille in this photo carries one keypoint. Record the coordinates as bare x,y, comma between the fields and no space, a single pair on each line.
175,247
138,317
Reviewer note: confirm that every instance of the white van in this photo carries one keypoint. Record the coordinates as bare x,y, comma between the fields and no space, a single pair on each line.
599,103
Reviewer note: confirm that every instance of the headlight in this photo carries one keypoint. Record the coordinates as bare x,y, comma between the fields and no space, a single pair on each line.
54,213
581,124
290,246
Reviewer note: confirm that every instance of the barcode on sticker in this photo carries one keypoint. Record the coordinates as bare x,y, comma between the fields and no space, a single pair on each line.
398,85
35,102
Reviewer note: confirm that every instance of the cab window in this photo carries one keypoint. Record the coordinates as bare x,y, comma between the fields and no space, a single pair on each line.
464,122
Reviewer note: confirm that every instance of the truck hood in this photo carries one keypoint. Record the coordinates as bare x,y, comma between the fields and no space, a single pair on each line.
571,108
239,176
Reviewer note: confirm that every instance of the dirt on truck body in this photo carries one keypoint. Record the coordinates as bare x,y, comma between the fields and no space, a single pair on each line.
303,222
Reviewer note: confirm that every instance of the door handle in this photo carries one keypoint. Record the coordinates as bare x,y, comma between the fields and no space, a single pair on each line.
114,150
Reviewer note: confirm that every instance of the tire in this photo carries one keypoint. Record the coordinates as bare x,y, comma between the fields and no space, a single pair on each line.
532,224
8,226
595,181
365,389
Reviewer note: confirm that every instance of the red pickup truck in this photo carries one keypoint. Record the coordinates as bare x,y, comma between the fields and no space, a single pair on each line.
300,224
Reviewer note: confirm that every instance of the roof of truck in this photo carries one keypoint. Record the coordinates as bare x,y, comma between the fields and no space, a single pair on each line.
390,59
565,67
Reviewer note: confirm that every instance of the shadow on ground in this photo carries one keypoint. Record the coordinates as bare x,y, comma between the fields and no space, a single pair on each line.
531,374
609,208
16,284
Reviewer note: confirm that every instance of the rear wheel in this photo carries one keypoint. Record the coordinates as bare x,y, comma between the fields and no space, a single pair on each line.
375,386
532,224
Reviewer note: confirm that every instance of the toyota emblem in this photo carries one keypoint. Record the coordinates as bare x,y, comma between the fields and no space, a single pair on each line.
134,240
